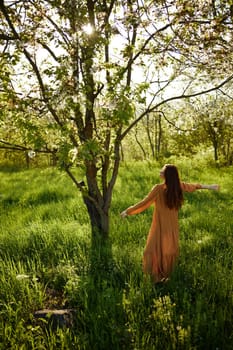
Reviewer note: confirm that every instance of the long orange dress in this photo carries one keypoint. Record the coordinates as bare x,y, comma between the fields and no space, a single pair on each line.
162,246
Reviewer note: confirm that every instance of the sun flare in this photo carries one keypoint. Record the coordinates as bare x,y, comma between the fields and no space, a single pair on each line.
88,29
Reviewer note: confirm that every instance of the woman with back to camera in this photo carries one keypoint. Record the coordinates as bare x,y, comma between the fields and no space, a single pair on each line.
162,246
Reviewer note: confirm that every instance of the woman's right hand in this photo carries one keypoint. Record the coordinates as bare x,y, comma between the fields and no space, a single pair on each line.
123,214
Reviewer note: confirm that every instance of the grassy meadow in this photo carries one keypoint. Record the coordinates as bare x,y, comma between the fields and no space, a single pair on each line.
48,260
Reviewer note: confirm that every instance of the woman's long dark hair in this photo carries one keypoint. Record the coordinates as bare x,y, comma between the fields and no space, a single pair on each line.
173,192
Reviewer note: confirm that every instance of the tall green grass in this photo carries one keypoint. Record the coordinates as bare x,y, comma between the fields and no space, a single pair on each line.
48,259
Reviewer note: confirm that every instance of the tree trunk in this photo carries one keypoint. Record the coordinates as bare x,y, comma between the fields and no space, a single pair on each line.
99,219
215,144
139,144
215,152
149,136
159,137
27,159
97,206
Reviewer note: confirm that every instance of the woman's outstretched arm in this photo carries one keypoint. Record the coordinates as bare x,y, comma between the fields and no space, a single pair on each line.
142,205
189,187
210,187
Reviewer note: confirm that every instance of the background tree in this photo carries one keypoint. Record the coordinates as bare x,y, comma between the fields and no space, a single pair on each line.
200,124
214,122
92,70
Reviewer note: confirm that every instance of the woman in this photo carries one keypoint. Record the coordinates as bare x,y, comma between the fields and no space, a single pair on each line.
162,247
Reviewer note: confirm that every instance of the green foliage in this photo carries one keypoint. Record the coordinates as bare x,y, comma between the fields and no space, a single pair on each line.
119,109
123,110
46,247
89,150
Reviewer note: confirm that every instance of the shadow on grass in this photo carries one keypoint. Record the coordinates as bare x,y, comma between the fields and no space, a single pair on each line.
103,318
44,197
7,169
